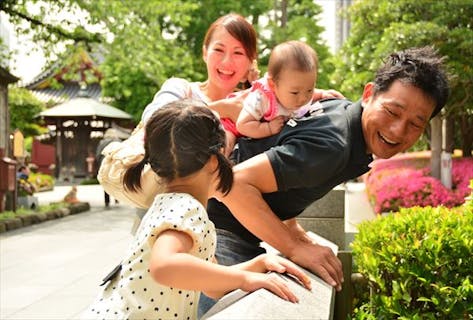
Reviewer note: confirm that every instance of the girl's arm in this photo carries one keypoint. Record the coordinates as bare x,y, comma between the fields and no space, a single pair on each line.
171,265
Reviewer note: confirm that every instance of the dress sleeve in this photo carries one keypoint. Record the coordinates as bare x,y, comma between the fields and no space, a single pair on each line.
172,89
186,215
256,104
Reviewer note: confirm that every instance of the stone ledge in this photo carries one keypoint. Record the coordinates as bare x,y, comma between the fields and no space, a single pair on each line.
38,217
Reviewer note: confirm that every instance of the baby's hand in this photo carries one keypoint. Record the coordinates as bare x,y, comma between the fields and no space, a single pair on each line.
276,124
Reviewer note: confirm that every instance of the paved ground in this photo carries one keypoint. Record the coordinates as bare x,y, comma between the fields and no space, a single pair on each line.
52,270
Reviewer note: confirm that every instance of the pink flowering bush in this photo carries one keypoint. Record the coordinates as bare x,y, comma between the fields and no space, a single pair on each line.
406,182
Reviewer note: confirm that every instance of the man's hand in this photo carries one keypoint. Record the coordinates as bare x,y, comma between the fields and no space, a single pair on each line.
321,260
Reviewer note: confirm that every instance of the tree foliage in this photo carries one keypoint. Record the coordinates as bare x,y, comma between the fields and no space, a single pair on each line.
24,108
381,27
144,42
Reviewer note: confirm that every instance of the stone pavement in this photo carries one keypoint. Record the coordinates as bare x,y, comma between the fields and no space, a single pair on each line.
52,270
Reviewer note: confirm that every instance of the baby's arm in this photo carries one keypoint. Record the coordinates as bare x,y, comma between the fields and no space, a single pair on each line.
251,127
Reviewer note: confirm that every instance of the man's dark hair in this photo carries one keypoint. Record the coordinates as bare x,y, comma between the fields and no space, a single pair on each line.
420,67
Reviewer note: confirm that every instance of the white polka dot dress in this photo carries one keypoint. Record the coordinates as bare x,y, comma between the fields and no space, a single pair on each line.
133,294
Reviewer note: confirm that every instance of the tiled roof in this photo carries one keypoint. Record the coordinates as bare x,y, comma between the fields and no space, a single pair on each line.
78,65
68,91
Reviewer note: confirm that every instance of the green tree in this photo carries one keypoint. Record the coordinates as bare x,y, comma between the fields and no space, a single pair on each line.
24,108
381,27
144,42
297,20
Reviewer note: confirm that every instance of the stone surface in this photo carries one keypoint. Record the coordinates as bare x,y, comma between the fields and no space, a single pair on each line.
13,223
332,205
332,229
262,304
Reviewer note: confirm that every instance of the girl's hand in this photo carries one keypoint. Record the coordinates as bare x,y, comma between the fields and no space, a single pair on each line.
253,72
281,265
270,281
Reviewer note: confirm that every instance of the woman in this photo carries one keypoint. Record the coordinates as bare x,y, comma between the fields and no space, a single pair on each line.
229,52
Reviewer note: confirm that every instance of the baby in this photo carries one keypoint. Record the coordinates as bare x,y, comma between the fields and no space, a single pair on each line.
286,91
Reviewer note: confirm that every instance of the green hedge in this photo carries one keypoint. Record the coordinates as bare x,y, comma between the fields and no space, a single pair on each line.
419,264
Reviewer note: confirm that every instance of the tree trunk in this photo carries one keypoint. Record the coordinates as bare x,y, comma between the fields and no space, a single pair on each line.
283,13
466,125
447,150
436,146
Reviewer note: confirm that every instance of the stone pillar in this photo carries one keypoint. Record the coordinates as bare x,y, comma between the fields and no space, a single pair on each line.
326,217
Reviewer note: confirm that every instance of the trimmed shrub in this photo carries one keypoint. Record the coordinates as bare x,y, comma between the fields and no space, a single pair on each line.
418,263
406,182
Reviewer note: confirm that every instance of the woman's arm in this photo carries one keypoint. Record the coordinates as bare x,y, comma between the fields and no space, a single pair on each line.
229,107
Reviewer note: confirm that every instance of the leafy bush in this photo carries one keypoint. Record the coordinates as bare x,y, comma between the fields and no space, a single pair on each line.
89,181
418,264
406,182
26,211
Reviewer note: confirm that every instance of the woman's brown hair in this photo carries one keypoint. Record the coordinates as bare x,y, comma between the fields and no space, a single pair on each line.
239,28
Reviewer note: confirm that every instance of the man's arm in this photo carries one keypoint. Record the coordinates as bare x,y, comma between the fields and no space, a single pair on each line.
254,177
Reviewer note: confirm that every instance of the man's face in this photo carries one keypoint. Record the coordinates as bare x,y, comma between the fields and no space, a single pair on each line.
394,120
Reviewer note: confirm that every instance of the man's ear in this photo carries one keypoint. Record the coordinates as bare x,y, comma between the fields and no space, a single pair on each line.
367,92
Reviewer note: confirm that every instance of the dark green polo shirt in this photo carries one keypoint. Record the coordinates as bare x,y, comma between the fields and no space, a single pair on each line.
310,156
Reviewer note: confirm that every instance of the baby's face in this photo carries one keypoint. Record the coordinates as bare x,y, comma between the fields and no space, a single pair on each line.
294,88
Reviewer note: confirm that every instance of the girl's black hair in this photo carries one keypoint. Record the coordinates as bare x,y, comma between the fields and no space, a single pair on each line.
180,137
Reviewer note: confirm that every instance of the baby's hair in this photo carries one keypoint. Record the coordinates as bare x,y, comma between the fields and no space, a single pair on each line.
292,54
180,137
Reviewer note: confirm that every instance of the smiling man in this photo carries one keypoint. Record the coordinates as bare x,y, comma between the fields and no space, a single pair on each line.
278,177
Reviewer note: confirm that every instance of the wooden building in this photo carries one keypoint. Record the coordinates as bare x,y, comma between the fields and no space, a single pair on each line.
76,118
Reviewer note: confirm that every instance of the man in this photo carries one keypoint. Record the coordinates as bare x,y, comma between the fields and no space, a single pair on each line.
282,175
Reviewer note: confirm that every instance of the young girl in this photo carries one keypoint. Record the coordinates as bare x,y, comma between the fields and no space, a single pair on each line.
287,90
171,258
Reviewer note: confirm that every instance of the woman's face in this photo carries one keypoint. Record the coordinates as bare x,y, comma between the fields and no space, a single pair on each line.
226,59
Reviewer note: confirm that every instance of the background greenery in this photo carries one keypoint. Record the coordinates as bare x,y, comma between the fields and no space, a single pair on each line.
144,42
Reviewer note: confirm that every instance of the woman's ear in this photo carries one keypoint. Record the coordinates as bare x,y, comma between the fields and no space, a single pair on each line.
204,53
271,83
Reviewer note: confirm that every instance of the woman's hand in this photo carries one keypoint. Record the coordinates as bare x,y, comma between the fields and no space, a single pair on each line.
230,107
320,94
